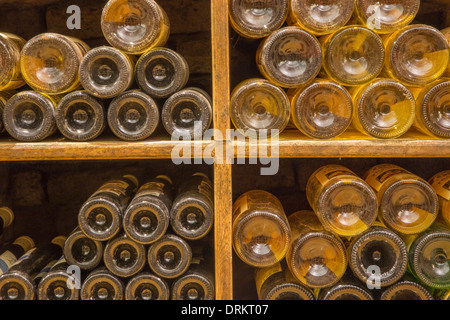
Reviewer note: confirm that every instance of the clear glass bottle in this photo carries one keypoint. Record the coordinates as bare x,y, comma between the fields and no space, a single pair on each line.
101,284
6,219
416,55
161,72
147,217
322,110
261,232
80,117
123,256
378,247
406,290
133,116
433,108
170,256
320,17
192,212
10,74
53,285
21,279
81,251
100,217
446,33
257,18
352,56
4,97
259,108
29,116
135,26
386,16
147,286
408,203
289,57
106,72
348,288
383,108
429,256
276,282
50,63
344,203
316,257
187,112
11,252
440,183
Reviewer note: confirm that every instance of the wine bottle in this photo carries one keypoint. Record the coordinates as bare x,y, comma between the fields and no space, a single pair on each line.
446,33
440,183
10,74
6,219
406,290
259,108
100,217
133,116
348,288
135,26
4,97
101,284
106,72
261,232
147,286
344,203
82,251
408,203
11,252
161,72
80,117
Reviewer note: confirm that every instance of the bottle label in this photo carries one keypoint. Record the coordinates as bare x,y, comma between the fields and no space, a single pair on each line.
7,259
326,173
25,256
264,273
153,188
377,175
115,187
45,270
441,184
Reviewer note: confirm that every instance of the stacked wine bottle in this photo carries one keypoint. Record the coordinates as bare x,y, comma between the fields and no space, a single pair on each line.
357,64
132,242
58,83
386,237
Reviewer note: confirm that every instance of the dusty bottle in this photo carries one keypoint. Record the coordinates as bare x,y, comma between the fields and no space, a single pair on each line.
187,113
6,219
123,256
101,284
352,56
133,116
80,117
147,217
29,116
147,286
259,108
383,108
11,252
433,108
441,185
406,289
21,279
257,18
192,212
378,249
54,285
170,256
4,97
261,232
316,257
322,110
276,282
289,57
100,217
106,72
320,17
416,55
10,74
161,72
344,203
429,256
408,203
348,288
50,63
82,251
386,16
135,26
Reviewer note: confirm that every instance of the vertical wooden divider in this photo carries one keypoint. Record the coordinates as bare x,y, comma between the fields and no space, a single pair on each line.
222,168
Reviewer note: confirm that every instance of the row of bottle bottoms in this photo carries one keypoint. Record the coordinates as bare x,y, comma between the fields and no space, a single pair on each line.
383,221
78,267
